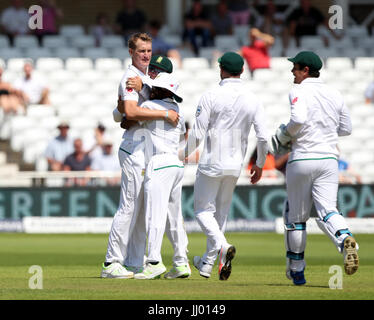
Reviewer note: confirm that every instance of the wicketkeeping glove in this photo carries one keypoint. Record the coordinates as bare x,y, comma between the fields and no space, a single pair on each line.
281,141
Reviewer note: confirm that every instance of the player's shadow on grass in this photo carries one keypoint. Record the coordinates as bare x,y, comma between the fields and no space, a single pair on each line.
292,285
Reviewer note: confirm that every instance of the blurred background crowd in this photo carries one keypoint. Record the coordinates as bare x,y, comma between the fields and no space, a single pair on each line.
58,85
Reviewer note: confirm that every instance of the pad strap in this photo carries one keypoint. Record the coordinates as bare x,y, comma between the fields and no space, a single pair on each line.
295,226
343,231
329,215
295,256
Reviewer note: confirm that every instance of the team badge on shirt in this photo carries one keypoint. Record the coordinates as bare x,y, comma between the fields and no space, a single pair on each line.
294,101
198,111
129,89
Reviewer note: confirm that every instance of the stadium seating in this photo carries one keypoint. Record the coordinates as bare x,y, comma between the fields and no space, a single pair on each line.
48,64
108,64
78,64
16,64
66,53
26,41
226,43
112,42
36,53
54,42
8,53
70,31
83,41
85,82
4,41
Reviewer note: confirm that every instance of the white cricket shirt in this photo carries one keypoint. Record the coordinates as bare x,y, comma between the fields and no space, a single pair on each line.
161,136
318,116
133,136
224,118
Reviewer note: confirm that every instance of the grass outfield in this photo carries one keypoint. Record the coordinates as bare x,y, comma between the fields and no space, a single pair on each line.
72,263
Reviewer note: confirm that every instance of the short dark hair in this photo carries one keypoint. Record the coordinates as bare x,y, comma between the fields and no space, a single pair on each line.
312,73
158,93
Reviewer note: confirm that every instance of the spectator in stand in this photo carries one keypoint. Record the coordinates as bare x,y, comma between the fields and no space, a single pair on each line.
77,161
221,20
307,20
239,12
33,87
93,143
101,28
14,20
273,20
107,161
51,13
369,93
10,98
59,148
257,53
160,46
130,19
197,22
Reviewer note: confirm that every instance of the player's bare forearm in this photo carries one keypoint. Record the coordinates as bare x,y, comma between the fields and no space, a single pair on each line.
256,174
134,112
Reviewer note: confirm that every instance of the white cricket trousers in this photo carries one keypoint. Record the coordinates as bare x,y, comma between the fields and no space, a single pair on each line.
163,203
127,238
308,182
212,201
311,181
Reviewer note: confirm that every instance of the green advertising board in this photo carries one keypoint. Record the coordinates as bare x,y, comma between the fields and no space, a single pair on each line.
249,202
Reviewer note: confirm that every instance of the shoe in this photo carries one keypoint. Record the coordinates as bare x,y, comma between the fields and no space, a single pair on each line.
205,269
135,270
183,271
226,254
116,270
297,277
151,272
351,261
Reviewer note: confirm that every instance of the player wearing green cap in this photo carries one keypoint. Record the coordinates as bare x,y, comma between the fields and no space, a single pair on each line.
224,117
318,117
127,238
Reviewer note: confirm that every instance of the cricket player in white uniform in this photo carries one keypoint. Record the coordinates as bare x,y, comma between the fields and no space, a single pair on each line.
127,238
224,118
318,117
163,182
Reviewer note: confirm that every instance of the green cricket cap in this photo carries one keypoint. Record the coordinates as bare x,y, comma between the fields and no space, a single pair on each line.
231,62
308,58
161,63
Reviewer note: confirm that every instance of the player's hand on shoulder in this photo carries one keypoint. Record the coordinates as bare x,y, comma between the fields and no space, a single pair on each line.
172,117
134,83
